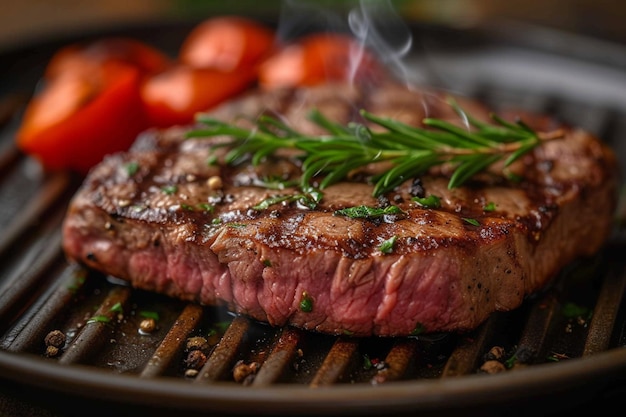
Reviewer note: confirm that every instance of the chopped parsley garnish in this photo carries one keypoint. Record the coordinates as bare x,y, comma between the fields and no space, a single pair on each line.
473,222
388,245
169,189
206,207
367,212
132,168
306,303
432,201
310,199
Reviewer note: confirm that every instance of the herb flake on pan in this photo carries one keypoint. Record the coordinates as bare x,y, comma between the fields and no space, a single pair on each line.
99,319
367,362
149,315
117,308
573,310
407,151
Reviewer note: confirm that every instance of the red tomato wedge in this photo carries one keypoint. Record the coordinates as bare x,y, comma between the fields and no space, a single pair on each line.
74,121
177,94
318,58
90,104
83,57
226,43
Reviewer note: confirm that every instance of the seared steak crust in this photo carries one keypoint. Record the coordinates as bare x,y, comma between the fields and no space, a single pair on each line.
187,228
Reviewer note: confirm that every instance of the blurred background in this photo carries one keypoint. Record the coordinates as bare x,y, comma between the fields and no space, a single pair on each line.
25,21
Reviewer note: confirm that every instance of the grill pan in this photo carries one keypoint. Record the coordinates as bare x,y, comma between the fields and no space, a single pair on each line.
556,362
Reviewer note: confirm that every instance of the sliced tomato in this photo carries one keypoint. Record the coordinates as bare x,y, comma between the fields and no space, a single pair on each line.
318,58
90,104
177,94
226,43
74,121
82,58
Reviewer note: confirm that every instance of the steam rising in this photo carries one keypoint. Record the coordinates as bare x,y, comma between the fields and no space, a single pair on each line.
375,23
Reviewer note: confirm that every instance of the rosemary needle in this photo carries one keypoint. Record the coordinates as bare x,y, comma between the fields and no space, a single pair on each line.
408,151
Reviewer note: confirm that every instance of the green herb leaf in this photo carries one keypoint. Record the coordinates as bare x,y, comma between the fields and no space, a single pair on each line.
419,329
218,328
360,212
274,183
309,199
132,168
388,245
117,308
211,160
473,222
510,362
169,189
270,201
490,206
573,310
149,315
99,319
367,363
432,201
410,151
206,207
306,303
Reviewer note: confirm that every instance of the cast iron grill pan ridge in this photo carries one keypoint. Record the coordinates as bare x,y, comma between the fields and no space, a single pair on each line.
109,361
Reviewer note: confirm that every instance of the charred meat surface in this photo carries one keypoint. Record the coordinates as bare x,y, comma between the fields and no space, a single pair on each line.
164,218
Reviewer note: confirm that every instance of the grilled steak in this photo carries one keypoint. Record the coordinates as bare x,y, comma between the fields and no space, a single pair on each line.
162,218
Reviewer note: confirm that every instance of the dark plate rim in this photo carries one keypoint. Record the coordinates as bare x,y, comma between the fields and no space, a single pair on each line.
588,376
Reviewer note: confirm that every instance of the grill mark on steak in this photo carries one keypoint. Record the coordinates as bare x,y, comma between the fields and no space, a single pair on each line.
444,274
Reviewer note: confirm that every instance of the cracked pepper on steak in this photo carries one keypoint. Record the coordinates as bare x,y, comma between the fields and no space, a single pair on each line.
157,227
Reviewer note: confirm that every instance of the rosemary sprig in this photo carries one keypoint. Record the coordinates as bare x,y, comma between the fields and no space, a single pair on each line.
409,151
